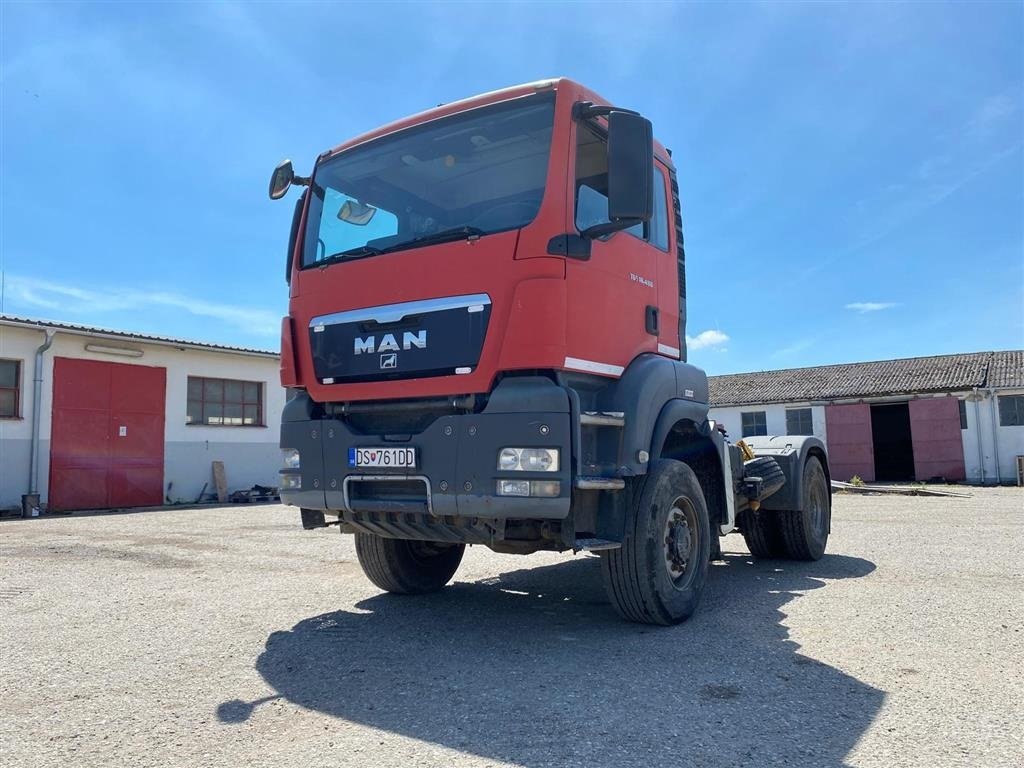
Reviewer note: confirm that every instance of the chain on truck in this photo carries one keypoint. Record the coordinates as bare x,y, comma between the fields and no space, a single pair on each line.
486,345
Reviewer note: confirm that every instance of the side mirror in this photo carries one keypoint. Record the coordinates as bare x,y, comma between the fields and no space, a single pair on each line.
281,179
630,168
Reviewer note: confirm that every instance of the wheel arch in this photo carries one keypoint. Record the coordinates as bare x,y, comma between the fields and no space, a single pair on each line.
653,389
682,433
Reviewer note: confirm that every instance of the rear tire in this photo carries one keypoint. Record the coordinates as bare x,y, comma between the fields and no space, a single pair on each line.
805,532
658,575
761,532
407,567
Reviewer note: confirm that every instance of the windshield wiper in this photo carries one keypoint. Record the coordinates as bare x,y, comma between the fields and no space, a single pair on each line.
444,236
352,253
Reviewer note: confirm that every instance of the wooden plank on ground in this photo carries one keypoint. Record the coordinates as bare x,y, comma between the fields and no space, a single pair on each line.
902,490
221,481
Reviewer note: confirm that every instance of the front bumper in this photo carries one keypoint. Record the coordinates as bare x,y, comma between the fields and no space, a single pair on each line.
456,474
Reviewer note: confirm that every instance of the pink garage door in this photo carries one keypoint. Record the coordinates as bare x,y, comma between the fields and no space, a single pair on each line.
107,442
850,451
938,444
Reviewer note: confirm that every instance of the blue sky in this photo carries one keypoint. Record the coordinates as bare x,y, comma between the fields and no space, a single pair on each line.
852,175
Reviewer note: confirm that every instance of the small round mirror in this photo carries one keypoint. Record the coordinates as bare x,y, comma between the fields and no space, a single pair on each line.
281,179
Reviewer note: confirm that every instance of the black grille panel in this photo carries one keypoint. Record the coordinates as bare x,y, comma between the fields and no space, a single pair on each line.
426,343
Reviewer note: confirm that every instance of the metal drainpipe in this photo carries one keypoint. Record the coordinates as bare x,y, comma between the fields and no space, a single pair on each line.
37,396
995,434
977,427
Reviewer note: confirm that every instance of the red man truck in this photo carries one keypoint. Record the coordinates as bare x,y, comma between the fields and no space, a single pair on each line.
486,344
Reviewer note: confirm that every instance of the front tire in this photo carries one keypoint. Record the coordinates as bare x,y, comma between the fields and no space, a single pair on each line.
657,576
407,567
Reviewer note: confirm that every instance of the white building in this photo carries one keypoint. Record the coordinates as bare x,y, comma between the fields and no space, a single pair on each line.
958,417
128,420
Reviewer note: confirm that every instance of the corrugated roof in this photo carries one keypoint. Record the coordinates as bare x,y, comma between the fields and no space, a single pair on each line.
1006,369
941,373
131,336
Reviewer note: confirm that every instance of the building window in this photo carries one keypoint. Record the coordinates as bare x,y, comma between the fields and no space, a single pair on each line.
10,389
963,413
224,402
798,421
754,423
1011,410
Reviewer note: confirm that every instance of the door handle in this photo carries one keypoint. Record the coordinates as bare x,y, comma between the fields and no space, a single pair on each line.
651,320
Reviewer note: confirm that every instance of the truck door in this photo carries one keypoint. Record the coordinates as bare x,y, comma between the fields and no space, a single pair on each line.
613,297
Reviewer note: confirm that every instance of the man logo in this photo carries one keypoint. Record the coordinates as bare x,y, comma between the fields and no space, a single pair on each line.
388,361
389,343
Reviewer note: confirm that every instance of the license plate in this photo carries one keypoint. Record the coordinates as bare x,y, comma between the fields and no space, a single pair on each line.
400,458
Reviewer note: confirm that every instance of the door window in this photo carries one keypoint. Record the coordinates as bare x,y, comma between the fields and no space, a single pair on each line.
592,190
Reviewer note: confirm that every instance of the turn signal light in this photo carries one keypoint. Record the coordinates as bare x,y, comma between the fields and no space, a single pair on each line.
290,458
543,488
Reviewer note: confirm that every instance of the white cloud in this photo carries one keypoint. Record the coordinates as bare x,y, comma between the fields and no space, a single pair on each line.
990,113
42,294
706,339
795,348
871,306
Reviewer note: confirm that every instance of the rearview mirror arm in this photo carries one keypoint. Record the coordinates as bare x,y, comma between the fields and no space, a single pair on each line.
607,228
585,110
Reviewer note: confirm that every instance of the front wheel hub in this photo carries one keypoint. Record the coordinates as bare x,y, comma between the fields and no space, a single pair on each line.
680,538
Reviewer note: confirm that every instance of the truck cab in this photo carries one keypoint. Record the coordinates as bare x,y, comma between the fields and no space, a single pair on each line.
486,345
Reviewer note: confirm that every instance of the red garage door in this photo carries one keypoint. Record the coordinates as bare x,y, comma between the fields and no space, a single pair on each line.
850,449
938,442
107,441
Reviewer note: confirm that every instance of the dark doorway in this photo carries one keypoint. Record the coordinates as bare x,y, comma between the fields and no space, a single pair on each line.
894,448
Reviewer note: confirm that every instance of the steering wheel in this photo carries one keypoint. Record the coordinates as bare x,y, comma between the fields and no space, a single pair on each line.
488,216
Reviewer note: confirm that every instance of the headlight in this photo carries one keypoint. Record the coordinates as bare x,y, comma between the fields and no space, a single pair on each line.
528,460
290,482
290,458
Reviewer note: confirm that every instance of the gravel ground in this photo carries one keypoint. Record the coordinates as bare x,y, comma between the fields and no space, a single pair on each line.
232,637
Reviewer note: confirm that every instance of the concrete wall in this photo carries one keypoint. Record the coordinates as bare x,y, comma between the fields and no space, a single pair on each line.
250,454
982,424
775,416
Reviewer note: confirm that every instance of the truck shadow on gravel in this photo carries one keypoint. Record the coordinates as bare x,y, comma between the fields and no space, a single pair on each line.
534,668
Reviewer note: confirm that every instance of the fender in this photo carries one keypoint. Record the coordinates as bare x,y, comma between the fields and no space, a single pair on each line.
705,450
671,414
646,388
792,452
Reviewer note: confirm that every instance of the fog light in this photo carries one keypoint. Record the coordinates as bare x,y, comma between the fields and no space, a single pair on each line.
290,458
528,459
291,481
513,487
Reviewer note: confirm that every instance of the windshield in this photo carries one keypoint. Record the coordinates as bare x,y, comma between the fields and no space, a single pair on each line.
468,175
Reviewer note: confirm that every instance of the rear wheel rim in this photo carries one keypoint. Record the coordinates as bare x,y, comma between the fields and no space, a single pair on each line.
681,543
817,510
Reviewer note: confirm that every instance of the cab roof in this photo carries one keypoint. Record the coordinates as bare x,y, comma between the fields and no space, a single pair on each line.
483,99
